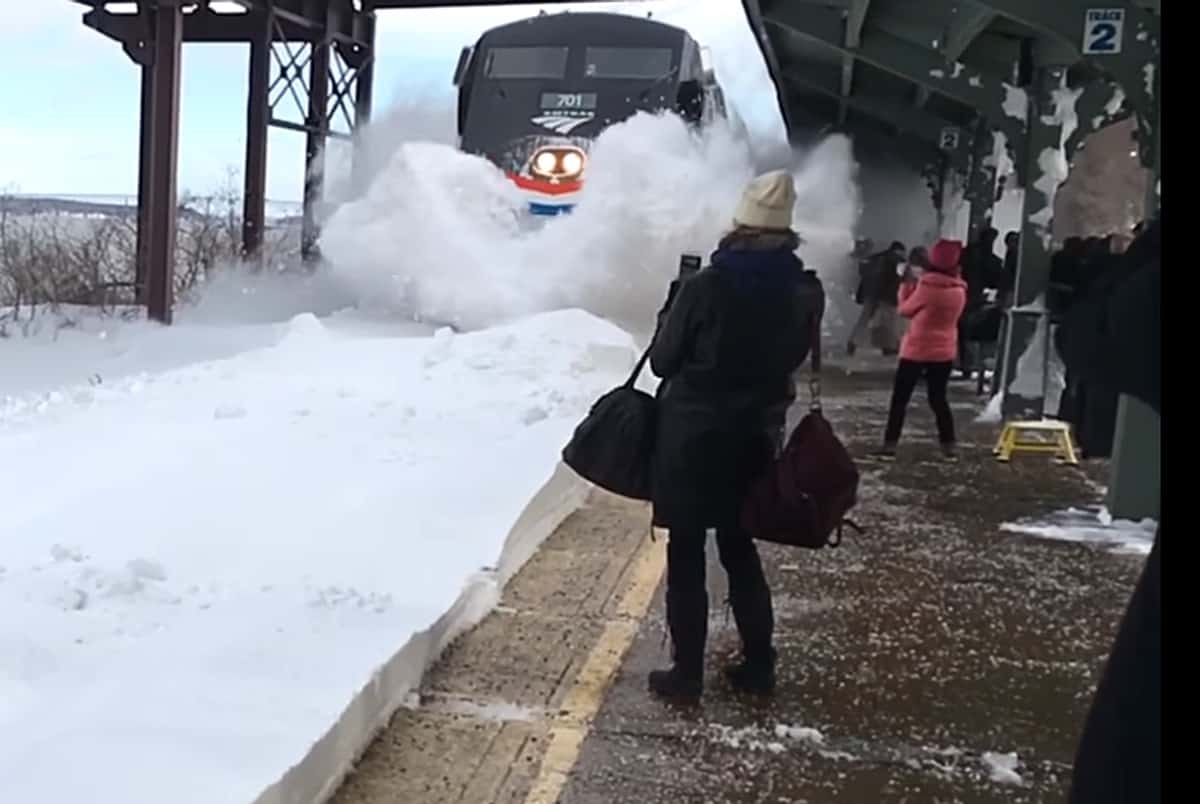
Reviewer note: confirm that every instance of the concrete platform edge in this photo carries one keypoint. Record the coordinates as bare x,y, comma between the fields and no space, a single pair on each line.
316,777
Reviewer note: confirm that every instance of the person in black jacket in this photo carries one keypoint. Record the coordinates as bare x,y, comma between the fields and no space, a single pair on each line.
728,342
1112,338
981,270
879,283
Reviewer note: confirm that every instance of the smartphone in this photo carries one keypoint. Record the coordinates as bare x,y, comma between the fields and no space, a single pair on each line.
689,265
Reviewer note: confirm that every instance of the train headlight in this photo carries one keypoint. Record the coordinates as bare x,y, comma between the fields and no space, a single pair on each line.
558,163
572,163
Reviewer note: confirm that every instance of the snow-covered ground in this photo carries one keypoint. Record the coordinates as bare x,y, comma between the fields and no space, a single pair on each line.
1091,526
207,556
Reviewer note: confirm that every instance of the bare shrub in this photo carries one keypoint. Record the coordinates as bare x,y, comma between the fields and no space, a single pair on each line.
51,256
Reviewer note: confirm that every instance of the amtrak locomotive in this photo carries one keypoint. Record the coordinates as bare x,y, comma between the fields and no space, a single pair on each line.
534,94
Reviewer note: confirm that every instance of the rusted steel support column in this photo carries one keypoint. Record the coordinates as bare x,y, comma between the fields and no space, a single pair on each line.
145,171
314,152
162,214
364,88
258,118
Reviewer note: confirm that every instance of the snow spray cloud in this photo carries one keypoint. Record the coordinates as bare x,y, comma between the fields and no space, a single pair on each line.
438,234
413,118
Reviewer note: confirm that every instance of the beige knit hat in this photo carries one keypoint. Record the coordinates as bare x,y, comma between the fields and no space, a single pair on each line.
767,202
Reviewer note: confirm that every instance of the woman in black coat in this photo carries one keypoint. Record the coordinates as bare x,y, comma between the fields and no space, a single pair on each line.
728,342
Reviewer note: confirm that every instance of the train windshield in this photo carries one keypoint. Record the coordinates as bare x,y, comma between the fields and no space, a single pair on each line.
627,62
526,62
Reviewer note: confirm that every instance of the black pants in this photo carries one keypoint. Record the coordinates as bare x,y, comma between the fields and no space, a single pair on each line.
1119,759
937,377
687,596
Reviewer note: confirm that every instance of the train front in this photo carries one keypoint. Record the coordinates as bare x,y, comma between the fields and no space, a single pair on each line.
548,167
534,95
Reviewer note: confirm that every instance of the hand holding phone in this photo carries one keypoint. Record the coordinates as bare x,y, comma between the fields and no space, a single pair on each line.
689,265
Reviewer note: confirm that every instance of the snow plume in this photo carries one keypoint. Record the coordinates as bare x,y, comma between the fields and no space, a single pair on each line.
440,235
898,206
895,205
428,118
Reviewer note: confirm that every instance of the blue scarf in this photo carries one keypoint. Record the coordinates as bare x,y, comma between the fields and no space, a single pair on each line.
753,270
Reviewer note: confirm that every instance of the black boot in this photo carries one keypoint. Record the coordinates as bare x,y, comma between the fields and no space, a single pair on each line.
676,684
687,617
754,675
750,598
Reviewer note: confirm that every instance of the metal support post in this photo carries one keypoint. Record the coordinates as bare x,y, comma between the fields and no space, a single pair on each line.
1133,486
981,186
314,153
363,95
163,198
1025,391
258,116
145,172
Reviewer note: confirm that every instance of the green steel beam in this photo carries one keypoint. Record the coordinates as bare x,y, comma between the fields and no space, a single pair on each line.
905,119
981,183
988,94
917,154
1134,490
856,15
968,22
1027,338
1131,62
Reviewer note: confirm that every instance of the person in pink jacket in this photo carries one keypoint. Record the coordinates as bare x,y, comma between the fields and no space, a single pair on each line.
933,303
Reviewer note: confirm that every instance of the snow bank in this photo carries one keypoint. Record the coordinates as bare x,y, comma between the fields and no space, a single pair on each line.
1092,526
47,349
216,587
440,233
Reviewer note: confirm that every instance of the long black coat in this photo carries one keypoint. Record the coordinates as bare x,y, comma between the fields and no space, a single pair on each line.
726,348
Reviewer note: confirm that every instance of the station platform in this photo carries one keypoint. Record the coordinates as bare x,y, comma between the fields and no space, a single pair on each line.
934,658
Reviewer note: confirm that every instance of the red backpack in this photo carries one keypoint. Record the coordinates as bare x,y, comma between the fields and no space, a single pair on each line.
804,496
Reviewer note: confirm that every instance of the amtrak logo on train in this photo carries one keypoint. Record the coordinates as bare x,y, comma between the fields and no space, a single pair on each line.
560,123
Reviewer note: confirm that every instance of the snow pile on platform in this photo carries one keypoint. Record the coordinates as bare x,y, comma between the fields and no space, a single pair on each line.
1090,525
43,349
204,570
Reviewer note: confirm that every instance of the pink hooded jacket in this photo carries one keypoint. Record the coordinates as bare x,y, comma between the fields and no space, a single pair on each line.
934,303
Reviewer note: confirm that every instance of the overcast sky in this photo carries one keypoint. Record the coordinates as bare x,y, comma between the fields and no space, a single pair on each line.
70,96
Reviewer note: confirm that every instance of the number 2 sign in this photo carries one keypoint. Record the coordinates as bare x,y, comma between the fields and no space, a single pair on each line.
1103,30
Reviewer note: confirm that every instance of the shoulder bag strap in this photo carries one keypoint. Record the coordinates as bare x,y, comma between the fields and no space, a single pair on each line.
641,364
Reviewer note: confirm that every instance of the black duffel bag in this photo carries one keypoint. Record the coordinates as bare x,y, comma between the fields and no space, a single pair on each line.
613,446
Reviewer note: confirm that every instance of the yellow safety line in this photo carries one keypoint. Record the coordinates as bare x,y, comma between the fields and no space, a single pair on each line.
587,692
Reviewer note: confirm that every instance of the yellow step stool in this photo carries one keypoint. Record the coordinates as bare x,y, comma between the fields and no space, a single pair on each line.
1061,444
